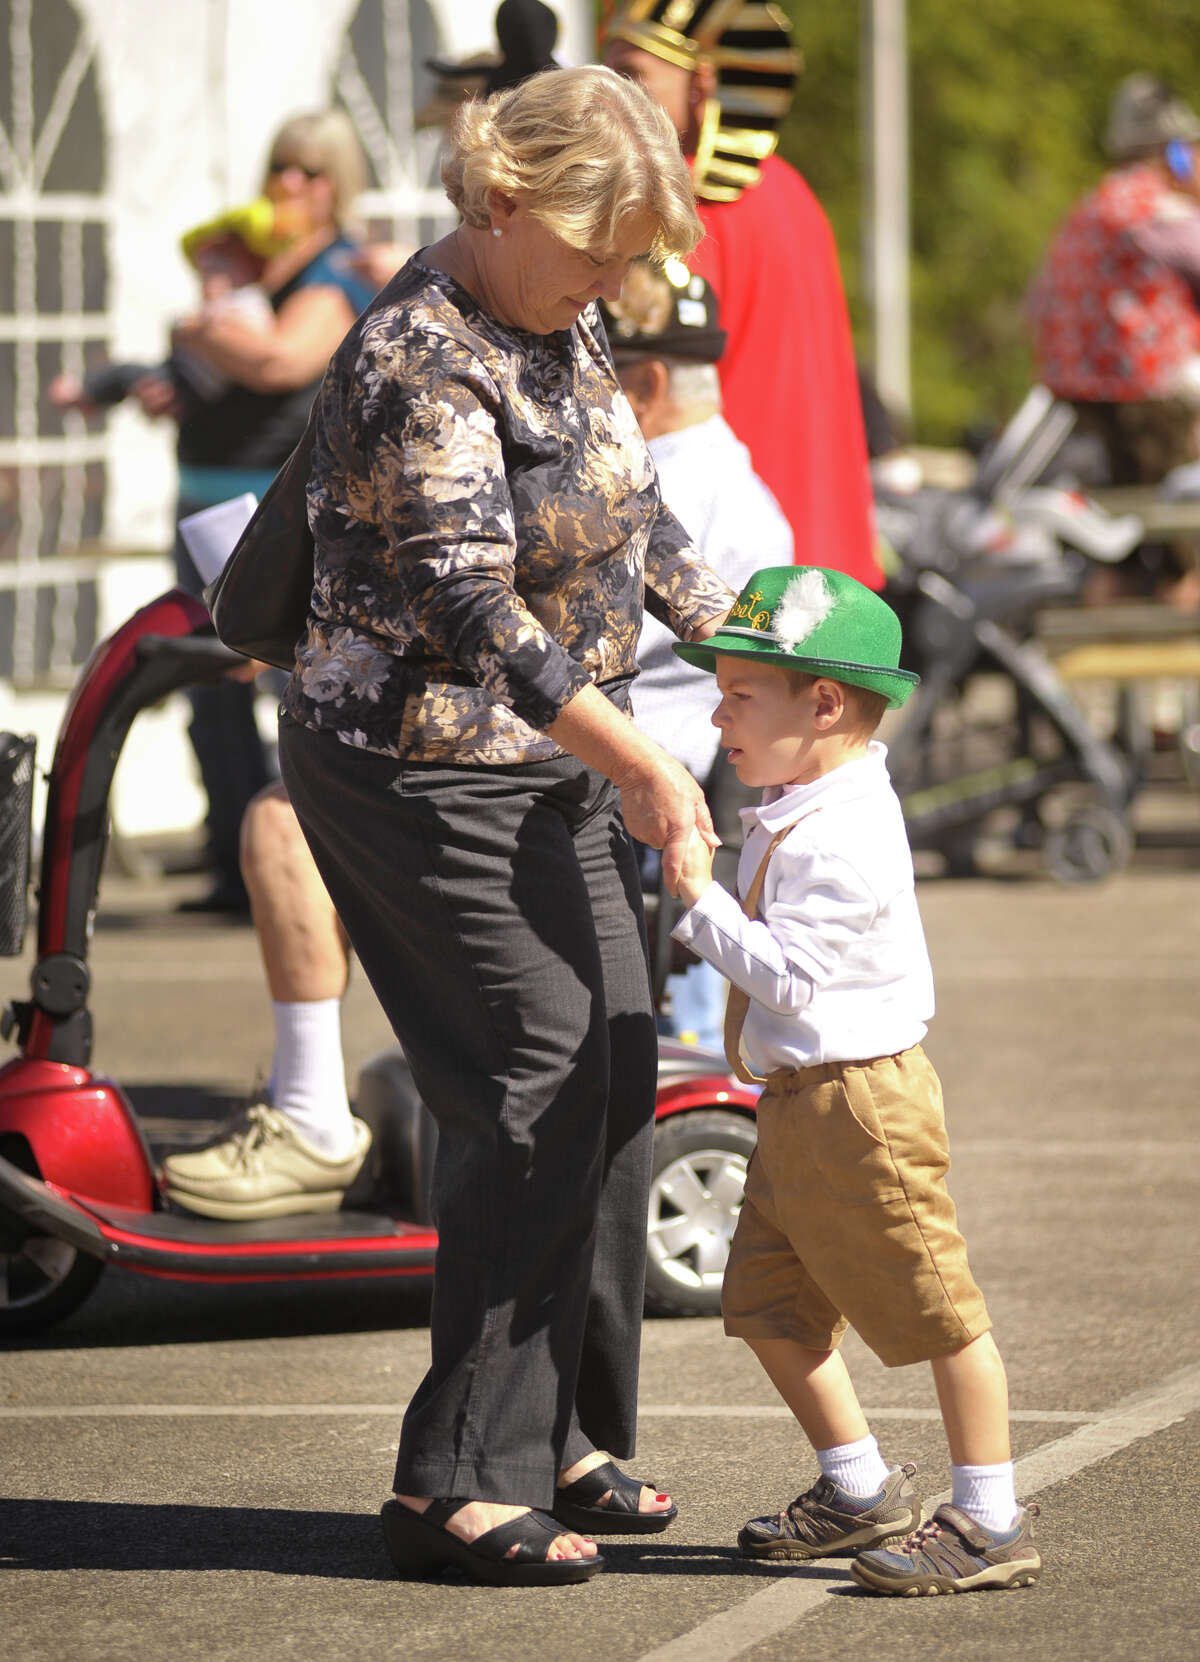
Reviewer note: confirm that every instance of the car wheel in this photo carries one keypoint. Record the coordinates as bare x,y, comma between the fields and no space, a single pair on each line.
43,1281
699,1174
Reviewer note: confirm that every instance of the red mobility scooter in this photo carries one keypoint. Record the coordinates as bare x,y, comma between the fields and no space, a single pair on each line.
79,1184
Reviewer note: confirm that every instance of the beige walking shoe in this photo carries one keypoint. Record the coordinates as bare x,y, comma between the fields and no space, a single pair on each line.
265,1170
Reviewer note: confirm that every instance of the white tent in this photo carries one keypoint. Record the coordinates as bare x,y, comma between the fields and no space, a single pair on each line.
122,122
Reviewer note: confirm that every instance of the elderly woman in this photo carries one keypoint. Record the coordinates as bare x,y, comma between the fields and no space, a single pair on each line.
455,742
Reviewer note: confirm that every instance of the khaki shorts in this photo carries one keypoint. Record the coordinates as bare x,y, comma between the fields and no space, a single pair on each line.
847,1220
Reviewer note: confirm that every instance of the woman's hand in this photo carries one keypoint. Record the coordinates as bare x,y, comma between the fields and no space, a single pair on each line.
377,262
157,395
701,631
696,870
663,806
661,803
279,355
250,670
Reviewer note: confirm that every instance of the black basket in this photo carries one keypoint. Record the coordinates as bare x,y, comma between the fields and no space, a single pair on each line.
16,832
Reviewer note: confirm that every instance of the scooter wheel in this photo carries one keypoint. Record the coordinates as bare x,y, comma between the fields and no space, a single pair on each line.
699,1173
43,1281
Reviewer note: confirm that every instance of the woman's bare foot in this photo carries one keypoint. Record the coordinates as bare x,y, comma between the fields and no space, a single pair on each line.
475,1517
648,1501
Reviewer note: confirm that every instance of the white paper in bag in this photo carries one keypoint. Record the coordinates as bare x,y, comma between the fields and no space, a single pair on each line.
211,535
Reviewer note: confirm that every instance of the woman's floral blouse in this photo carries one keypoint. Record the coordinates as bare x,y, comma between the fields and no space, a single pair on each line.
488,528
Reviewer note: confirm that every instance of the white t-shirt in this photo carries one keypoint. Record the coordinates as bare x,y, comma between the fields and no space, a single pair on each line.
836,966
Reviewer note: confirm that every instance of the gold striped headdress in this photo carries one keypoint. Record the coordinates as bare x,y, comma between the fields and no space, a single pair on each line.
748,45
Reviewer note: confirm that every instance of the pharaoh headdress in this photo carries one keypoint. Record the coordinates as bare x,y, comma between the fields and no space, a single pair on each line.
748,45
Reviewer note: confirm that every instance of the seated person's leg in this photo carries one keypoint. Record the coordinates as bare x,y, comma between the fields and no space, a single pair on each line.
306,959
307,1147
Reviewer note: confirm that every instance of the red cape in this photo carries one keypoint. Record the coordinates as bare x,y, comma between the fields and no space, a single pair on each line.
788,374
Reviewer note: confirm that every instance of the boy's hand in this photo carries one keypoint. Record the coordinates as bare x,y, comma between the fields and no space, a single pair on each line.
695,874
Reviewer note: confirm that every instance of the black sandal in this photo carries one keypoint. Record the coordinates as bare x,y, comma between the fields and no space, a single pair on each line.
419,1543
577,1506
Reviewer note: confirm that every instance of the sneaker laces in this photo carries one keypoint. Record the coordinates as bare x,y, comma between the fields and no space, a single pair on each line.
930,1530
261,1129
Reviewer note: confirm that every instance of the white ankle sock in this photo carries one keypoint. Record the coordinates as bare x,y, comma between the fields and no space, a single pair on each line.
986,1494
858,1468
308,1078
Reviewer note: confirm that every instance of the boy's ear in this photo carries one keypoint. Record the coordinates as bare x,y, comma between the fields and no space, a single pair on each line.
829,702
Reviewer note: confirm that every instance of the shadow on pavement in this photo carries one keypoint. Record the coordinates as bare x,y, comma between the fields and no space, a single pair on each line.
664,1558
61,1535
104,1535
128,1310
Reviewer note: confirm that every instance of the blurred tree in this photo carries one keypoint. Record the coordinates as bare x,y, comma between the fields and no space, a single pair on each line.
1008,100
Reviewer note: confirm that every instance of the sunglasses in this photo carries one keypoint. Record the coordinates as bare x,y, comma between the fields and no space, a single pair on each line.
296,167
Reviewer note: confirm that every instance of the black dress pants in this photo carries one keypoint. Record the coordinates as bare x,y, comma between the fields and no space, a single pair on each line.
497,913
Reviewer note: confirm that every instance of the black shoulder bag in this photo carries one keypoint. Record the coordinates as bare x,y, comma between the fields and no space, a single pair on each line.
259,603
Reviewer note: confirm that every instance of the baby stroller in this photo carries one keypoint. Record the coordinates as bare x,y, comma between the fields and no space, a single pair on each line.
992,737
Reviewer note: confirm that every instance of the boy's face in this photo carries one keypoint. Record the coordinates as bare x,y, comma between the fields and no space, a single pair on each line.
766,722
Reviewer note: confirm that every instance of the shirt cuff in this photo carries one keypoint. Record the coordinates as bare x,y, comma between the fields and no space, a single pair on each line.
712,906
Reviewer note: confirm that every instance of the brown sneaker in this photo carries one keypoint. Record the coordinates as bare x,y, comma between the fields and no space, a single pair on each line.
953,1554
828,1521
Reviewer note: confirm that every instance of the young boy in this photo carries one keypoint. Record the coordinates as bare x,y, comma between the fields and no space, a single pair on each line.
846,1220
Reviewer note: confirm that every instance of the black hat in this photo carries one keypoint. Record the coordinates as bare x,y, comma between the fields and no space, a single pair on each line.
665,312
748,44
456,82
526,30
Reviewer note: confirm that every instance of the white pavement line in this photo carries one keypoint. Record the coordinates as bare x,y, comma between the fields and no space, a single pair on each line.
370,1410
1057,970
754,1411
1138,1417
180,973
1091,1149
764,1615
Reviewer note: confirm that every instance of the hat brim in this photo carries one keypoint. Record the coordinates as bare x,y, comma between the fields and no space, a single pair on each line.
701,346
892,684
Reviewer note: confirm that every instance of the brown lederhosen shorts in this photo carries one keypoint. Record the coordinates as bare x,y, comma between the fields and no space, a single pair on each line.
847,1220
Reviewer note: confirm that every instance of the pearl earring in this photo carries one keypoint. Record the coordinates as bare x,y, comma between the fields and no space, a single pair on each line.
496,231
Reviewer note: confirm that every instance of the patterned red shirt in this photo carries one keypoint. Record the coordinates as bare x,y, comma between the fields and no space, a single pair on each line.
1111,320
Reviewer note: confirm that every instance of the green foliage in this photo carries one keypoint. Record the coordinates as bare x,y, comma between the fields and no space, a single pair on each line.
1008,99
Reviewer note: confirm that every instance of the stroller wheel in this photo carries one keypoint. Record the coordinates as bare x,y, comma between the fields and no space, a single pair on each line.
1093,843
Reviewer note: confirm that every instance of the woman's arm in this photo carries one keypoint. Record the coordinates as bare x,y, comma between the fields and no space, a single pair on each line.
681,591
281,355
660,801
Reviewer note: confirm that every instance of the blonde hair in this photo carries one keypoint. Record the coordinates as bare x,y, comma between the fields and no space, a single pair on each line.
582,149
325,140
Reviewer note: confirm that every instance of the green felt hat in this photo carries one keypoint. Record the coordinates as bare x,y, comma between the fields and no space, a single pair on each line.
815,620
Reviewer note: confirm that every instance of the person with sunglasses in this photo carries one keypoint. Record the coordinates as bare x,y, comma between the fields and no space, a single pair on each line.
266,370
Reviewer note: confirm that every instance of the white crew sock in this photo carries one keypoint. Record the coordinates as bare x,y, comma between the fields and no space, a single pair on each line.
986,1494
308,1075
858,1468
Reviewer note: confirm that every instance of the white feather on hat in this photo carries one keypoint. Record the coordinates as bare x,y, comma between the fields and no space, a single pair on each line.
804,605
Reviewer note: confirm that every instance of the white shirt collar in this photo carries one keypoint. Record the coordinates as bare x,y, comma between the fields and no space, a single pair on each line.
783,803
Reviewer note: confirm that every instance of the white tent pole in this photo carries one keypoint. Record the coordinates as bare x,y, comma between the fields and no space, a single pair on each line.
886,208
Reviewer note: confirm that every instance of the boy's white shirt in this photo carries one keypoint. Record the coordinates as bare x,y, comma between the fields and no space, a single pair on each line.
837,968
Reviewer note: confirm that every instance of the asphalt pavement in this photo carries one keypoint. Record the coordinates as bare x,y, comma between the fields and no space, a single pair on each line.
195,1472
